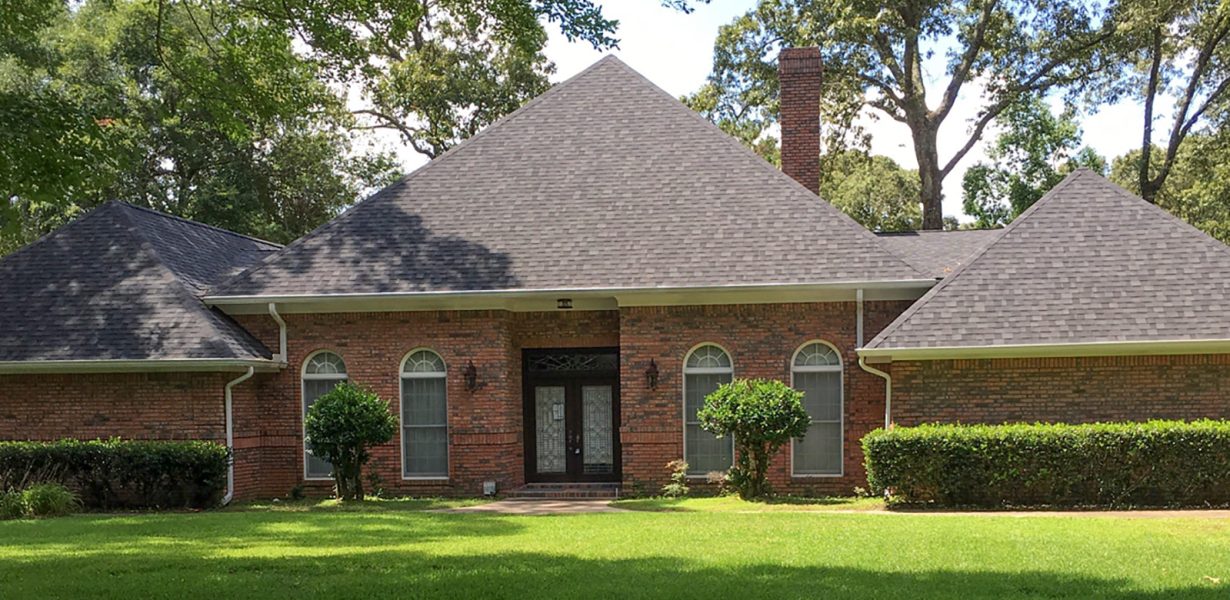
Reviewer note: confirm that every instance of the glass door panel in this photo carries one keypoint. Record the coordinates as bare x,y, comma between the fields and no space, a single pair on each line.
550,430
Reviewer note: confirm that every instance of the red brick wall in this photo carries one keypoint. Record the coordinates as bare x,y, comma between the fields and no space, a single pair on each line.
485,426
1074,390
761,339
158,406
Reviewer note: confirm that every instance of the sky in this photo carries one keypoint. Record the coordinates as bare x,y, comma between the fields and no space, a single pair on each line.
675,51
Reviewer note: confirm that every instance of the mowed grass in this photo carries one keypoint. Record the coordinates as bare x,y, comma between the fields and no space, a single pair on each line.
398,549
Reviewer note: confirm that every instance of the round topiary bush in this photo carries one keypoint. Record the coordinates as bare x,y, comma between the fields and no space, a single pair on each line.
341,427
762,415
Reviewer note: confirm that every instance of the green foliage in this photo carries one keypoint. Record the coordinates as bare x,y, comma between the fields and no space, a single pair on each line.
247,115
762,415
875,55
1035,151
678,486
118,473
1197,189
12,505
341,427
1159,463
873,190
50,500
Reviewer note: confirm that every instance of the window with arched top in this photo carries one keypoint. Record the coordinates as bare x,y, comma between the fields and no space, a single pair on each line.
322,371
704,369
424,416
816,371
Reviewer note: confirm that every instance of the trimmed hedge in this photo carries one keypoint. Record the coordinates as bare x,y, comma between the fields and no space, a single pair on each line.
111,474
1159,463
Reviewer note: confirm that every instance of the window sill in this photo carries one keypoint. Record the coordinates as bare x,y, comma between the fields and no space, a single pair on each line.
443,479
817,475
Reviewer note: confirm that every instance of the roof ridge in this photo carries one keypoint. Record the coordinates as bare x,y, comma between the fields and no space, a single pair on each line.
195,223
205,313
56,232
403,180
758,160
972,259
1173,218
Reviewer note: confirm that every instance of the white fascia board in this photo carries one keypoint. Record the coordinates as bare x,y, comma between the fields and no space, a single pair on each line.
582,298
1109,348
136,366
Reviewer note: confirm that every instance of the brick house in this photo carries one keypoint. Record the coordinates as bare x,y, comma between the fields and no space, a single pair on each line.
551,300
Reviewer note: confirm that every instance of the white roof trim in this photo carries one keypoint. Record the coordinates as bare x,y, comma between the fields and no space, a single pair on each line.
129,366
1108,348
595,298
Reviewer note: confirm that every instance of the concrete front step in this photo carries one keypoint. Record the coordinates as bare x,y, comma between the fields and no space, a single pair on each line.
571,491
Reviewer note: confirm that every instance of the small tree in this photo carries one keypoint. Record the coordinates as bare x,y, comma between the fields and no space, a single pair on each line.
341,427
762,415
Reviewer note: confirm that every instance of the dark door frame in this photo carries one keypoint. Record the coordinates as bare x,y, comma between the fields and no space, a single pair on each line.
572,381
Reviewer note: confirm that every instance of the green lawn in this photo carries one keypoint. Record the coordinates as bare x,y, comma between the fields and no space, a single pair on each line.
698,548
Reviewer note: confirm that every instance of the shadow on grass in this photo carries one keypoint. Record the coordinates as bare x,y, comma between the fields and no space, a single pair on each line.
391,573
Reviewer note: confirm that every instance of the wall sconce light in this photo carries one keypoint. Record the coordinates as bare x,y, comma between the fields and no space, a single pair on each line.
651,375
471,375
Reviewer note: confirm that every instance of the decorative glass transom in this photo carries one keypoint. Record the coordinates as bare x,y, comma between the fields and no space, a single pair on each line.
708,357
423,363
325,363
817,355
573,361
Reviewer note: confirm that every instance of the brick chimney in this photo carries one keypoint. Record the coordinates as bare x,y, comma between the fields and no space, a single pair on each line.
798,73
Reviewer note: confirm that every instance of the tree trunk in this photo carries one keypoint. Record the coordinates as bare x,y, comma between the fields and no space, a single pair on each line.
930,175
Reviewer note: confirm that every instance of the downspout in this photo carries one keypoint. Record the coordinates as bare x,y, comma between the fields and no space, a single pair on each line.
888,390
858,301
281,355
230,435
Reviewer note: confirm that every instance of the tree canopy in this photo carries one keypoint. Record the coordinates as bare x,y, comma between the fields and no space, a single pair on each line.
876,55
1034,151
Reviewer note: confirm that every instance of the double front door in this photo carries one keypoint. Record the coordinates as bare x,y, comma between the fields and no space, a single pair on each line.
572,415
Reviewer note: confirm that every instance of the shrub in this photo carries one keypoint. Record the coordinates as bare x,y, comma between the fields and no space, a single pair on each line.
762,415
12,505
678,486
341,427
116,473
50,500
1159,463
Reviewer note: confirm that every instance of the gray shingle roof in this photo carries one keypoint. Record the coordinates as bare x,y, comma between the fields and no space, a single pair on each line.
603,181
1089,262
124,283
937,253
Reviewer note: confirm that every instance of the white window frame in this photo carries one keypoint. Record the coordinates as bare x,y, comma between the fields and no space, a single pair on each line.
402,376
841,370
684,398
304,376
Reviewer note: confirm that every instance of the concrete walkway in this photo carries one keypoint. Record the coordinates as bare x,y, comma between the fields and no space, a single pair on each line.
538,507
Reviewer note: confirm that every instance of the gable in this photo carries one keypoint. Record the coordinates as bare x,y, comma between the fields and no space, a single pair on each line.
603,182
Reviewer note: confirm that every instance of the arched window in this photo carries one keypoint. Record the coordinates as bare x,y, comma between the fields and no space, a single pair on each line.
706,367
424,416
321,372
816,371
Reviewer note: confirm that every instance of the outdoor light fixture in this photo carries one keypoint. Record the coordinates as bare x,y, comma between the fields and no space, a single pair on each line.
471,375
564,304
651,375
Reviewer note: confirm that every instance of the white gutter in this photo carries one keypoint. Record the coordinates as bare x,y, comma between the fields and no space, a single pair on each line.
595,291
1110,348
888,390
281,356
230,436
140,365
